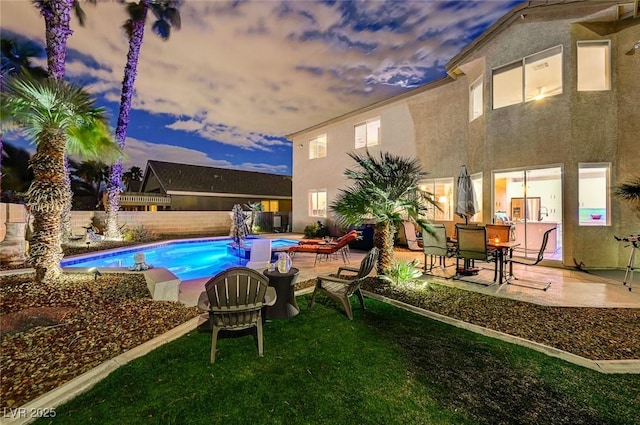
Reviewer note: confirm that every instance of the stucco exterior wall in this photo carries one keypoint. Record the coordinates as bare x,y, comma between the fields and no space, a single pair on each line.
397,137
561,131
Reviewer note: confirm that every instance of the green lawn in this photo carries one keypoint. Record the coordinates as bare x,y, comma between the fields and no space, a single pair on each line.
387,366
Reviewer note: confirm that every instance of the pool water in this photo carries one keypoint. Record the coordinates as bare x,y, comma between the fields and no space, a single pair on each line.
188,259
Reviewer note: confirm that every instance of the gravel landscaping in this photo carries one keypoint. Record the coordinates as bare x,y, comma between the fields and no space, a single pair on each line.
51,333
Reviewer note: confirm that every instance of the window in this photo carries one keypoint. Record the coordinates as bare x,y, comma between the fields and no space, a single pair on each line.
543,74
442,192
318,147
368,133
594,65
475,99
533,78
593,194
507,85
476,181
318,203
270,205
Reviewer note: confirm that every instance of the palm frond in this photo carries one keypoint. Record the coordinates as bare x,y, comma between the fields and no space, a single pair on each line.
629,189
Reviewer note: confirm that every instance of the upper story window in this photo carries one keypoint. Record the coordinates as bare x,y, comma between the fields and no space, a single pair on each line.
475,99
594,65
532,78
318,147
368,133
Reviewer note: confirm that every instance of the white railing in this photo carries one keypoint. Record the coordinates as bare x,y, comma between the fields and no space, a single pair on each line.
139,198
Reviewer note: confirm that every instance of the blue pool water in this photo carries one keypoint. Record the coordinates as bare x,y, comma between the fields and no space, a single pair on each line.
187,259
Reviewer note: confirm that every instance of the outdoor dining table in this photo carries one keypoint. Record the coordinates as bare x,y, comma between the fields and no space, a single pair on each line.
504,248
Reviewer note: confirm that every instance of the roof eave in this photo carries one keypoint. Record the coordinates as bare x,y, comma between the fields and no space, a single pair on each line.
453,66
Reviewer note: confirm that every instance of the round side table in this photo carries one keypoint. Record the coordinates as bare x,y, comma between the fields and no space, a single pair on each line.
284,284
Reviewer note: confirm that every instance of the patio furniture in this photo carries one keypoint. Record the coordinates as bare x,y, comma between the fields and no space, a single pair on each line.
319,241
340,288
407,234
472,245
260,254
284,285
500,231
543,285
327,250
236,297
435,245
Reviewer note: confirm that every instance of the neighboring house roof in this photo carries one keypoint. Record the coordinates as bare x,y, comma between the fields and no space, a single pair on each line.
185,179
133,186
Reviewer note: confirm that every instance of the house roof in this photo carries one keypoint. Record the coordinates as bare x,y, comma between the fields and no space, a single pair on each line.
177,178
523,11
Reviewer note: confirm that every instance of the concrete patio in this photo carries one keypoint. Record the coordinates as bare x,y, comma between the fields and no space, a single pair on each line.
569,288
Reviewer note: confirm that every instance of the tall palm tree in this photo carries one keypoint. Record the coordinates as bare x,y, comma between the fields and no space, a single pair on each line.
56,116
386,190
167,16
57,20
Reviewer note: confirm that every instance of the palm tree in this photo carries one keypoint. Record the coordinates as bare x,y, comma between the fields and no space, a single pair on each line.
167,16
15,57
57,116
90,179
629,190
385,190
254,207
57,19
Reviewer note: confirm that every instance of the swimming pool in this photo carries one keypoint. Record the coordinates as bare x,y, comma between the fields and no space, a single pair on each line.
188,259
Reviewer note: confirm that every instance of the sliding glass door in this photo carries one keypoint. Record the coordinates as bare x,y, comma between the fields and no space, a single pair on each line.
531,198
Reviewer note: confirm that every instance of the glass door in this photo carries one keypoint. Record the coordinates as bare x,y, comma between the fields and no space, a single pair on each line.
531,199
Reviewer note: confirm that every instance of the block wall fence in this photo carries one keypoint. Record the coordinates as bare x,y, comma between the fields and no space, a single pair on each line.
197,223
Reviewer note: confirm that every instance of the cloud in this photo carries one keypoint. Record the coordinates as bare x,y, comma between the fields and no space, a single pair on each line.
241,72
138,153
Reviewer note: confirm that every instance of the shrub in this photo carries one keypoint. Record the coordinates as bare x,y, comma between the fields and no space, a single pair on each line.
137,234
402,273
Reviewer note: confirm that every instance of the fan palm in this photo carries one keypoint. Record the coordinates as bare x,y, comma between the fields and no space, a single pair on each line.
629,190
57,23
89,179
167,16
15,57
57,116
384,190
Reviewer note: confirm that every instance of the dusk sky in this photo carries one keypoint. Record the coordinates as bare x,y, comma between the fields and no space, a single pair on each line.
238,76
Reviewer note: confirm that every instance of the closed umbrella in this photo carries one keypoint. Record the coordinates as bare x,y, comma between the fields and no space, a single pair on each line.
466,199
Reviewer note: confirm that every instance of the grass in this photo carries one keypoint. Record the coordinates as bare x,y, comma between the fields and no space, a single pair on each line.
387,366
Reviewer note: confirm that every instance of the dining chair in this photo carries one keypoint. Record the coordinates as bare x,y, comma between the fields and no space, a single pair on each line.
435,245
472,245
543,285
500,231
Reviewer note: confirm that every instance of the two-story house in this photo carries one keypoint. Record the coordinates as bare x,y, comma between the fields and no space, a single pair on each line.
544,110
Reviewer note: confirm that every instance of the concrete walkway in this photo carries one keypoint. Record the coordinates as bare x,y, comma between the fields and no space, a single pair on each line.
569,288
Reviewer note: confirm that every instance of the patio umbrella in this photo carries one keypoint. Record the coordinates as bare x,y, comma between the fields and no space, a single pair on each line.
466,200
